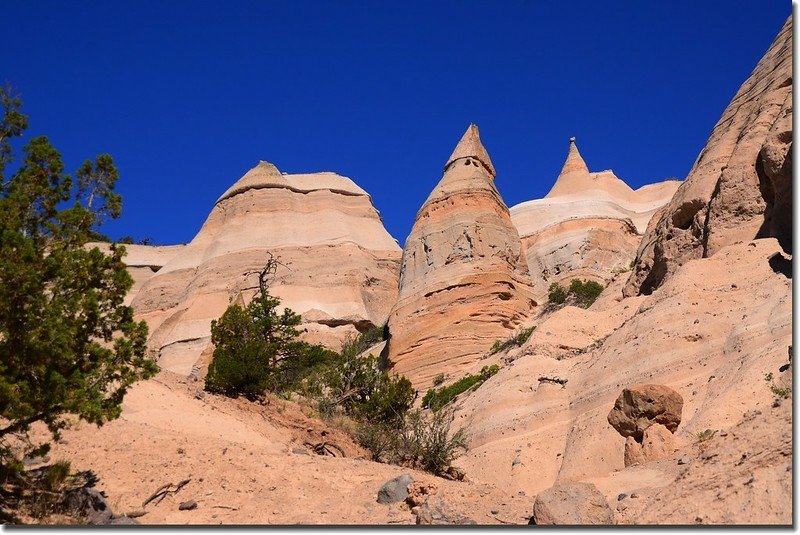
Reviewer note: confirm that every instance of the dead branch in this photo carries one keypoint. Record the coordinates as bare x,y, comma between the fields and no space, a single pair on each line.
163,491
325,448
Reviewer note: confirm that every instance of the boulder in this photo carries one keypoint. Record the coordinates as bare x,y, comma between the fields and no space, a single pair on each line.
740,185
395,490
638,407
436,511
572,503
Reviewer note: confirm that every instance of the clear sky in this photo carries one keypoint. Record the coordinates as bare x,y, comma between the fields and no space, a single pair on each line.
187,96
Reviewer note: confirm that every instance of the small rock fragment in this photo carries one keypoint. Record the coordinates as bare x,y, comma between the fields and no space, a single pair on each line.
683,460
187,505
621,496
136,514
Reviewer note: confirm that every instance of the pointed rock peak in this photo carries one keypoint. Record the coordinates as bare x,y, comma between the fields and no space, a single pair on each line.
574,160
267,168
470,146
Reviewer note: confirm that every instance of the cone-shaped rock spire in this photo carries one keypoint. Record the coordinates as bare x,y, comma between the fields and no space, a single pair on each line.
464,279
574,161
470,146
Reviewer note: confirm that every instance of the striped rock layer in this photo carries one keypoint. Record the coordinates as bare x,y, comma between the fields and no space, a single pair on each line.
338,265
463,280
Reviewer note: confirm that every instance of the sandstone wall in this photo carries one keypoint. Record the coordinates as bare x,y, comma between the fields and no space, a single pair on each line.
740,186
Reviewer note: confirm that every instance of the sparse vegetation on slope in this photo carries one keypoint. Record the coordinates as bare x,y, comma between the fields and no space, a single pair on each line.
436,398
515,341
257,350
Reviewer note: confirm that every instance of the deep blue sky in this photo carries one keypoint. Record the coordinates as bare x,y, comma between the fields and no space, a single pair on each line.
187,96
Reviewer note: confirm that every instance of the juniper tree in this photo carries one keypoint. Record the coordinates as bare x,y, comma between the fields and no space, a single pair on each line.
68,344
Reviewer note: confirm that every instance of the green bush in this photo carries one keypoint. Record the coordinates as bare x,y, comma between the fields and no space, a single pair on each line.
362,390
436,398
583,293
69,346
556,294
363,341
586,292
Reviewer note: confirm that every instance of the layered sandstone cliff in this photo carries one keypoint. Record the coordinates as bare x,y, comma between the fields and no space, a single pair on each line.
740,187
338,265
588,226
463,277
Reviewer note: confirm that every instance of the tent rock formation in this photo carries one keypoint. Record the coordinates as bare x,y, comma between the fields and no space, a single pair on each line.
463,280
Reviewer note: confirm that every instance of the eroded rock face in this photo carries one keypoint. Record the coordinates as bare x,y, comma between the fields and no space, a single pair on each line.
638,407
463,276
588,226
338,265
572,504
658,443
740,186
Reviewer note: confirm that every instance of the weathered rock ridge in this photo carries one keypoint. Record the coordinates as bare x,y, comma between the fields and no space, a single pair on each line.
740,185
588,226
463,280
338,264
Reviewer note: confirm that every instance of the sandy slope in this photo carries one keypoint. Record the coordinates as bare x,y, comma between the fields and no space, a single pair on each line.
247,465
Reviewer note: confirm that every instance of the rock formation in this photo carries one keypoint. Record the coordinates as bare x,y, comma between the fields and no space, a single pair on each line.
338,264
740,186
638,407
463,277
588,226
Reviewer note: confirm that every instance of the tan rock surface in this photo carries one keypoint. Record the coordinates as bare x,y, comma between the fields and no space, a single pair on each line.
588,226
462,281
657,443
338,265
143,261
739,187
